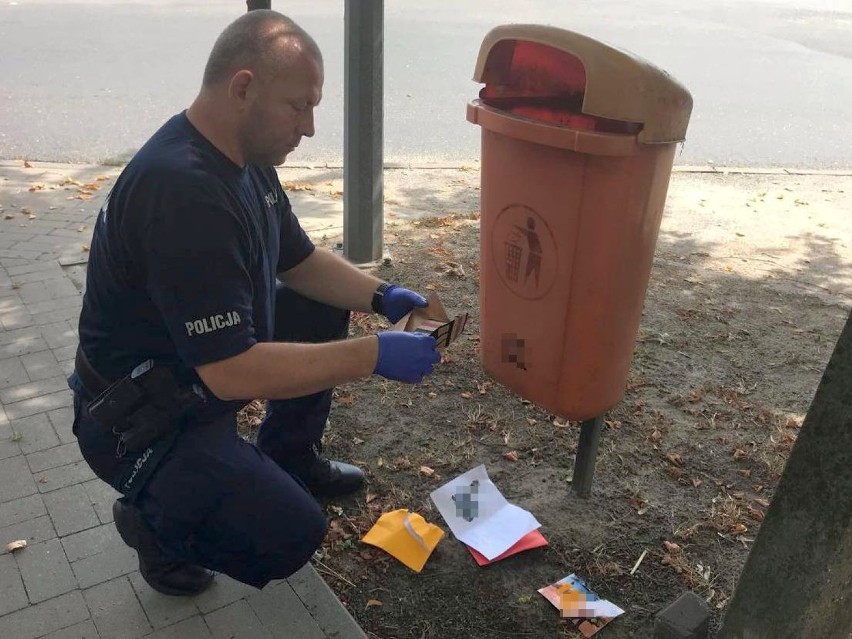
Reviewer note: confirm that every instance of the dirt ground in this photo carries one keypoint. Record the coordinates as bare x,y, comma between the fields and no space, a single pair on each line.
749,291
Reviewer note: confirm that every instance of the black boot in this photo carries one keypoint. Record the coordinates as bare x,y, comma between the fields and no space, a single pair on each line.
324,477
169,578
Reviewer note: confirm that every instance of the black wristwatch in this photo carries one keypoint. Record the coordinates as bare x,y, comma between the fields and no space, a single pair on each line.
378,297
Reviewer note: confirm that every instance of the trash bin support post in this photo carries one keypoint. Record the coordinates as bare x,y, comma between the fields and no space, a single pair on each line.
587,454
363,220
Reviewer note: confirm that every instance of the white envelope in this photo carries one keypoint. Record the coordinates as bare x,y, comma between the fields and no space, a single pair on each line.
479,515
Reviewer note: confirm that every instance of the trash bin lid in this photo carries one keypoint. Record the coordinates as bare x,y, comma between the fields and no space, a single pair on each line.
615,84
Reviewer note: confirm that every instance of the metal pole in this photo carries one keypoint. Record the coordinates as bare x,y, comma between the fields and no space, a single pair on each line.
587,454
363,219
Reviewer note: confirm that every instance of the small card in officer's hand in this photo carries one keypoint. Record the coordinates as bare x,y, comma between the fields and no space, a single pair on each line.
433,320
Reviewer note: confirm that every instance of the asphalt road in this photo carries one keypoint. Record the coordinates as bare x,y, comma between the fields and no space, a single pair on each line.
90,80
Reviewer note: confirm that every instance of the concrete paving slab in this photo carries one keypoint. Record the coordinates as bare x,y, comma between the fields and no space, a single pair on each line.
116,611
44,618
45,570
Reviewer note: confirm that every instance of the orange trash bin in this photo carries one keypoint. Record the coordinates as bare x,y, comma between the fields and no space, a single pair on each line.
578,142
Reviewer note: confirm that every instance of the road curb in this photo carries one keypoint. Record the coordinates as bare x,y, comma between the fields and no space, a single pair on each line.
474,165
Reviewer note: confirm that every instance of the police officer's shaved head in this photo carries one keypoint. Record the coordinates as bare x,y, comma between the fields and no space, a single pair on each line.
261,41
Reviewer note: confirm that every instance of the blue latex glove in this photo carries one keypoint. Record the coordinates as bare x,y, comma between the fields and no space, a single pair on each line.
406,357
397,301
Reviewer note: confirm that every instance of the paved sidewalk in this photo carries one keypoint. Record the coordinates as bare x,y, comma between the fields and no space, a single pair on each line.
76,579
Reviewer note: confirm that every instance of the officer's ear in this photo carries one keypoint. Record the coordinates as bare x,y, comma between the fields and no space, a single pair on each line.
241,88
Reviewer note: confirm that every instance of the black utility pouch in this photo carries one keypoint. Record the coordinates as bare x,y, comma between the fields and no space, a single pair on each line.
144,406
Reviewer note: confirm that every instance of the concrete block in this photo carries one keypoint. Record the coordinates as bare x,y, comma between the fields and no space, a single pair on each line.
36,433
45,570
322,604
20,510
71,510
42,404
163,611
101,496
109,564
44,618
83,630
12,594
54,457
236,620
22,346
686,618
63,421
15,479
282,613
49,306
15,320
91,542
33,530
8,438
12,372
63,476
34,389
59,334
194,627
222,591
41,365
36,292
116,611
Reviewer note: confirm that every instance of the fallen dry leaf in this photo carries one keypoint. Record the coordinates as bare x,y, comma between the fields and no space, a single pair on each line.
370,497
380,462
755,513
298,186
671,546
762,502
466,395
85,248
745,472
27,165
675,459
697,482
346,400
512,455
560,423
432,395
372,603
8,217
357,441
12,546
425,470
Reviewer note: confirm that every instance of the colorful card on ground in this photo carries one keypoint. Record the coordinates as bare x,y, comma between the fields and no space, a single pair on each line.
406,536
529,541
480,516
579,604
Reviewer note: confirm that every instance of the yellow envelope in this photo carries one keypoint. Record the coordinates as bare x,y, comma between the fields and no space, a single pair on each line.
406,536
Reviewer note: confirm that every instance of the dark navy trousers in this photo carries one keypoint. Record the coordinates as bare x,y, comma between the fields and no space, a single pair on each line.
222,503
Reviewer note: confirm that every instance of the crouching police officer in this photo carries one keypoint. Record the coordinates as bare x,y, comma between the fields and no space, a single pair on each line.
203,292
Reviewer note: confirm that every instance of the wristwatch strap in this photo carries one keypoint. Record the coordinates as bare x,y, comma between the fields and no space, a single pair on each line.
378,297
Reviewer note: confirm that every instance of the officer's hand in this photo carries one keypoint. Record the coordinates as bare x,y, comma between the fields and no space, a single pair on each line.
406,357
397,301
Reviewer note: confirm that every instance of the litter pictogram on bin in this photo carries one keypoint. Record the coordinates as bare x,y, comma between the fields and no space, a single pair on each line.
528,256
513,260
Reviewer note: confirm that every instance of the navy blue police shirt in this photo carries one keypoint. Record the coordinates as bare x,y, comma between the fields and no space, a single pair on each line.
183,262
